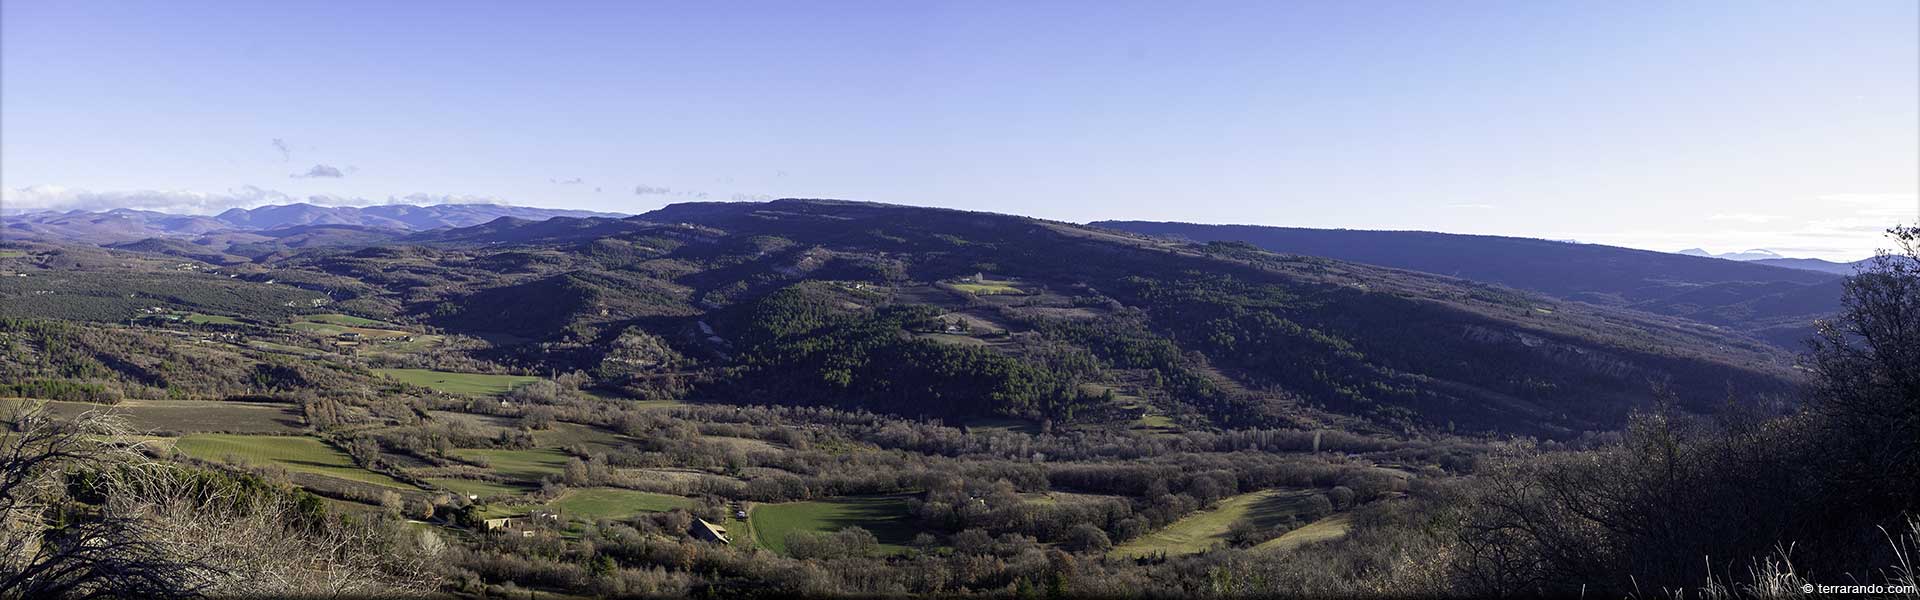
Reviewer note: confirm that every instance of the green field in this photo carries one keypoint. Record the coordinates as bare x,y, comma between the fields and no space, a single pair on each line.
885,516
459,383
201,319
295,453
348,320
524,465
1330,528
562,435
1202,530
1153,422
593,504
334,329
190,416
12,254
475,487
987,288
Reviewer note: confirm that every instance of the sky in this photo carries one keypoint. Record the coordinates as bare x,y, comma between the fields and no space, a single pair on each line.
1793,126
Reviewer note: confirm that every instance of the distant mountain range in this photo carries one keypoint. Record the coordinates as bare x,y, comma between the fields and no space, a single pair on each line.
129,225
1754,254
1775,299
1774,259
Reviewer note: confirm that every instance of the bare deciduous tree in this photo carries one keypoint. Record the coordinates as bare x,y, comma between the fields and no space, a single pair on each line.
106,555
154,530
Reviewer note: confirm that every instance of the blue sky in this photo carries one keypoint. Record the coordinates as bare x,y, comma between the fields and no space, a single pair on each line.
1665,125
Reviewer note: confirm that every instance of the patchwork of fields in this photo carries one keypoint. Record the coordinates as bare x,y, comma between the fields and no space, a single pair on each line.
508,480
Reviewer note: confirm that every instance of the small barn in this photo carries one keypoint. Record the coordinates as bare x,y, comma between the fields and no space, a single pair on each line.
704,531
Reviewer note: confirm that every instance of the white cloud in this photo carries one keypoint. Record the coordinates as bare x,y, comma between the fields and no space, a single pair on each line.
58,198
1473,206
325,171
1745,217
431,199
1842,227
53,197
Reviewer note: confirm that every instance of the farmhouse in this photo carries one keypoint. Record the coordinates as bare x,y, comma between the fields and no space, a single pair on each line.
702,530
527,525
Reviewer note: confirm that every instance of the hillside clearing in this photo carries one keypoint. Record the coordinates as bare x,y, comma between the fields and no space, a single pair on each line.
1330,528
1203,530
987,288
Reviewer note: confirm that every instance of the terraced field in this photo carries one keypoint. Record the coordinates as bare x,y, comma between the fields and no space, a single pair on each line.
885,516
295,453
459,383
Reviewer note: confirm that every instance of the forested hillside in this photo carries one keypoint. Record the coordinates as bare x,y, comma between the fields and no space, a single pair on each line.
928,312
1774,303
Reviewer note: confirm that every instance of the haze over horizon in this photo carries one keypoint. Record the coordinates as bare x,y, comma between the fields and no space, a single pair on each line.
1725,126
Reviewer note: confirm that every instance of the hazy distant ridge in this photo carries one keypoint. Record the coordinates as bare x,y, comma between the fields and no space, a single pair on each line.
127,225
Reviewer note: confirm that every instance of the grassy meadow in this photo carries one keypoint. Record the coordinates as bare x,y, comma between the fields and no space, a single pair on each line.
476,487
294,453
525,465
191,416
885,516
988,288
1330,528
593,504
1203,530
348,320
476,384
